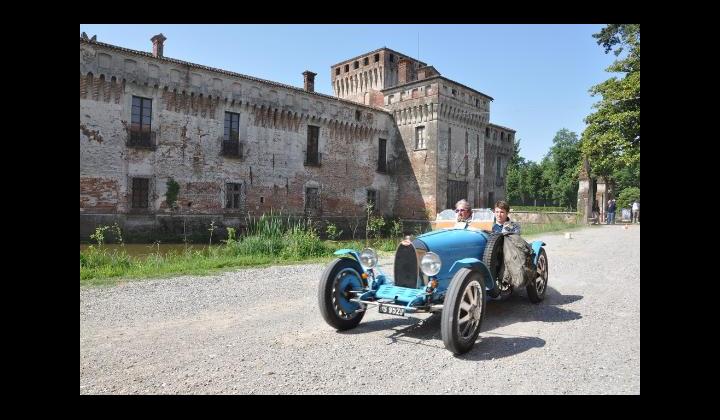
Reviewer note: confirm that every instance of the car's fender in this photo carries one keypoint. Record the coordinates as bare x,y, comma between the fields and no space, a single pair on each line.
475,264
536,245
354,257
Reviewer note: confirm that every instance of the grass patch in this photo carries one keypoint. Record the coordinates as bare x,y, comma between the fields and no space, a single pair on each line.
271,240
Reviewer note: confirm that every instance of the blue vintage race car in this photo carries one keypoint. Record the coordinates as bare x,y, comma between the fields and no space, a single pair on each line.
453,269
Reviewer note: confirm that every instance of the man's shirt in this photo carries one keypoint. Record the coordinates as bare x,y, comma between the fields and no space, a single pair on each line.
507,227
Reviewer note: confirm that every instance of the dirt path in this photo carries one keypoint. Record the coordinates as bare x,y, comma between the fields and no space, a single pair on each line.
260,331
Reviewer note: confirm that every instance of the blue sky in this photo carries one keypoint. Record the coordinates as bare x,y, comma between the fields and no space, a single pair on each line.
539,75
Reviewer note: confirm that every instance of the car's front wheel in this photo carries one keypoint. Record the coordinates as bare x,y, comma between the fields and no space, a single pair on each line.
463,310
339,278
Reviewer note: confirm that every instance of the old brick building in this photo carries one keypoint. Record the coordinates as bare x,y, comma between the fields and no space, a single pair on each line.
396,133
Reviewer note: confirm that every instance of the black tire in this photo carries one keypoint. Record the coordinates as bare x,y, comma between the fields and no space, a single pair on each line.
537,288
465,299
330,299
493,259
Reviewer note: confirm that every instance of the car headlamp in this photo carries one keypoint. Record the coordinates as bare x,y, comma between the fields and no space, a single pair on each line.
430,264
368,258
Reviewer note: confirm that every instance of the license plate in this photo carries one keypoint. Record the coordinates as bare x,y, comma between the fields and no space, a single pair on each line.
391,310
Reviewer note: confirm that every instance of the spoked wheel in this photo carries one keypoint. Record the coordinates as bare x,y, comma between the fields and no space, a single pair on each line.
536,288
338,279
463,310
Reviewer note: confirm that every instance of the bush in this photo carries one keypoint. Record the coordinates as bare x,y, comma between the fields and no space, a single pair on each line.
332,232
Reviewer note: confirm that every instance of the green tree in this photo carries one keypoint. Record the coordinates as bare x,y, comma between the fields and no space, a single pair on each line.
514,180
611,140
627,196
561,166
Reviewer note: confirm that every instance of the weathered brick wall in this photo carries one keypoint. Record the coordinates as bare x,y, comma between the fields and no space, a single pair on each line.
188,107
416,172
496,146
461,119
364,83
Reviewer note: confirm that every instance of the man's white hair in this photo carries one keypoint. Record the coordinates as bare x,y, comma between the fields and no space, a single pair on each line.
463,203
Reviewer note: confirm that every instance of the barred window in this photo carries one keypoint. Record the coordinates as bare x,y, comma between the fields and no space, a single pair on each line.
233,191
140,193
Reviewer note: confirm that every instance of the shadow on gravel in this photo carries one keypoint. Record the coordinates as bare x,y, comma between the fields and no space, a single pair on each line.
498,314
495,347
518,308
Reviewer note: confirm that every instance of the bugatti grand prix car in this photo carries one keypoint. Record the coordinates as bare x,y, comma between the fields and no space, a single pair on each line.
454,269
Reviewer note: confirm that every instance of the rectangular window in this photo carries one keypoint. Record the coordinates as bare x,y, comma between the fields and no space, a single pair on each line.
372,198
420,137
140,121
356,64
487,132
376,58
231,135
140,193
347,68
233,191
392,58
312,198
312,155
366,61
498,168
358,115
232,126
502,135
491,199
337,71
382,155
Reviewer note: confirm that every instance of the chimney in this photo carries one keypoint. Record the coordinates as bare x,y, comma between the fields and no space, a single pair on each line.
309,80
157,41
404,71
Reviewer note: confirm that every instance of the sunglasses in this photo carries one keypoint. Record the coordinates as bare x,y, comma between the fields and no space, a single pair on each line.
459,210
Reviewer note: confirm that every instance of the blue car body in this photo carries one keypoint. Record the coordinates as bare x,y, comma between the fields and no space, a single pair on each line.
409,287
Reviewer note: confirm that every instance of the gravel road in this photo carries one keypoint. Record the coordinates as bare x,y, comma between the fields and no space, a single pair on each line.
259,331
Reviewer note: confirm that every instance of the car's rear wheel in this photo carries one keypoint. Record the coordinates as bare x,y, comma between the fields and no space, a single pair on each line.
463,310
536,289
339,278
493,259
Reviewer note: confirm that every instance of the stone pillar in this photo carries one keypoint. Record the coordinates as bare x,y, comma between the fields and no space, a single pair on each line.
309,80
158,41
602,197
585,193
